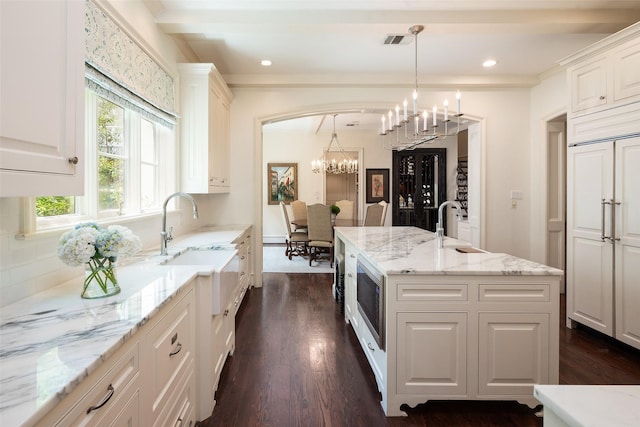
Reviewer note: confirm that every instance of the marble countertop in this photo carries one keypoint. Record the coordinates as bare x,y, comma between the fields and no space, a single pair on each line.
592,405
51,341
412,250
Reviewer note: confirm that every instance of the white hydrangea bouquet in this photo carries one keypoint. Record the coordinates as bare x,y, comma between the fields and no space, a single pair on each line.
97,249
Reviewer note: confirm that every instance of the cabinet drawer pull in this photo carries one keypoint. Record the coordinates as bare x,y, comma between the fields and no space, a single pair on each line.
370,347
352,255
226,312
602,97
110,391
176,351
73,160
178,422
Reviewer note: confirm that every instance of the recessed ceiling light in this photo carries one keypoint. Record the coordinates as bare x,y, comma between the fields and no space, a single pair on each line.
489,63
265,63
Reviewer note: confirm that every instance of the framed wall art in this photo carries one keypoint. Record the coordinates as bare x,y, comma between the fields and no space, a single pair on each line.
377,187
282,179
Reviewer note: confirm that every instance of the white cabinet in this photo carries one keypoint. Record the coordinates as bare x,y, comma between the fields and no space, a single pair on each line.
440,338
41,98
115,396
205,141
169,349
217,333
350,276
457,336
605,81
148,381
603,224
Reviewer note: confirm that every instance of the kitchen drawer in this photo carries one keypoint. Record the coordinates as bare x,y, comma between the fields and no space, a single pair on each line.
110,396
171,347
179,412
377,358
417,291
510,293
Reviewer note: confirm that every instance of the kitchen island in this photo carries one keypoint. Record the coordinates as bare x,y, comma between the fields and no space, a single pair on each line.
458,323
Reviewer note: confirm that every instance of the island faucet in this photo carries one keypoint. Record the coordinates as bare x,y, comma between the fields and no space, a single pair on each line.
439,225
164,236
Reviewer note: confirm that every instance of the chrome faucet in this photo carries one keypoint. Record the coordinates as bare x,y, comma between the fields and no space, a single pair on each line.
439,225
167,237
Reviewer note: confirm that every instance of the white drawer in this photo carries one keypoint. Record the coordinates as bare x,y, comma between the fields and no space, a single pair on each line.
171,346
180,410
107,398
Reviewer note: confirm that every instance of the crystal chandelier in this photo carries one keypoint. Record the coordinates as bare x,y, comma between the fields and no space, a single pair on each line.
420,132
343,165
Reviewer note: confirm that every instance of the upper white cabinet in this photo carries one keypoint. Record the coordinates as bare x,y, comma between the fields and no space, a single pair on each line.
205,103
41,98
605,79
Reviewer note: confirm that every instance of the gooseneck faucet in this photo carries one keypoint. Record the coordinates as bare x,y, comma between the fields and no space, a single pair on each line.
439,225
164,236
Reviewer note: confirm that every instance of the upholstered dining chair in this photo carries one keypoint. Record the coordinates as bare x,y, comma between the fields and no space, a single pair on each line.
320,232
296,241
385,205
375,214
346,209
299,211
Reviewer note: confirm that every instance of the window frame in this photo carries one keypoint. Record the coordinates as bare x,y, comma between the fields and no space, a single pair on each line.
87,204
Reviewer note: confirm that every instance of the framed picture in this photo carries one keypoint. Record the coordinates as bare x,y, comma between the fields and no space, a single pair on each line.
282,179
377,185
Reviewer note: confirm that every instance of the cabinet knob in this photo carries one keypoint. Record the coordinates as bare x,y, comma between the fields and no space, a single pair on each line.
602,97
73,160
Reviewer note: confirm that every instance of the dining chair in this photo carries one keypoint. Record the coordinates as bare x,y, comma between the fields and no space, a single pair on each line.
320,232
298,212
296,241
375,215
384,205
346,209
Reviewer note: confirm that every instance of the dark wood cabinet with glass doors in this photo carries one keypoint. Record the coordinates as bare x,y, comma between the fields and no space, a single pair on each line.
419,186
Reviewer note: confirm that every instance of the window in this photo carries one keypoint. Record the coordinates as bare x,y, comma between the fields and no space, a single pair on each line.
128,150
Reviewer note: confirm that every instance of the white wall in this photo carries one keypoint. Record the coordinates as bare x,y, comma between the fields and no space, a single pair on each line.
506,117
548,101
302,147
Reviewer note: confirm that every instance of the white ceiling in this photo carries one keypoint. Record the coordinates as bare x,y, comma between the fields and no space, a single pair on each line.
340,42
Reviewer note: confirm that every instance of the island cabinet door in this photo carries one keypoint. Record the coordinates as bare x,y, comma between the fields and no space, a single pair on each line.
513,353
350,287
432,354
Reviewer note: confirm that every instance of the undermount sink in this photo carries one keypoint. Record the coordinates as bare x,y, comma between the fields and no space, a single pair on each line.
209,258
223,267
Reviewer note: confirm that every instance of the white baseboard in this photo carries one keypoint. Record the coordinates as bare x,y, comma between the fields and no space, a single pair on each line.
274,239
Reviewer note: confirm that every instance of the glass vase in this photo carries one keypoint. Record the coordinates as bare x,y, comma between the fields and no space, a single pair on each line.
100,278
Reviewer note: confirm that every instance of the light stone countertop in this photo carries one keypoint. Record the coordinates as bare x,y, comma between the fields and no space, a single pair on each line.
591,405
412,250
51,341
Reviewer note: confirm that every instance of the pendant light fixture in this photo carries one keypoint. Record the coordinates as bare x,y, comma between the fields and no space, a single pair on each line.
411,130
344,164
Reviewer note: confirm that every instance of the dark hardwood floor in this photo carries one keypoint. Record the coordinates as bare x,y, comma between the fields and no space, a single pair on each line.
297,363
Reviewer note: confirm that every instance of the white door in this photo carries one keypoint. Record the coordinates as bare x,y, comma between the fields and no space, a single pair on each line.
556,141
627,248
589,253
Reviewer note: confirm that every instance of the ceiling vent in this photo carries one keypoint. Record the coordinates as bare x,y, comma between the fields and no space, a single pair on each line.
398,39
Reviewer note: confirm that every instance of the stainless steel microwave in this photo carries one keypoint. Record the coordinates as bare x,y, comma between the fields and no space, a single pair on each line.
371,298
